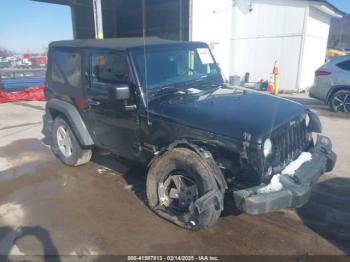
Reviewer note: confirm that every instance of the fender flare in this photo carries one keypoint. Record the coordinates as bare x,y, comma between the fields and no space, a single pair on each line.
73,116
204,154
315,123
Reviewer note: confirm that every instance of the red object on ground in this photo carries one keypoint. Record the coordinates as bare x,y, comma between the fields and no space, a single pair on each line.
270,88
35,93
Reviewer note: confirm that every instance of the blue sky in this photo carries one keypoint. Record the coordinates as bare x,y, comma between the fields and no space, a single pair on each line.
343,5
27,26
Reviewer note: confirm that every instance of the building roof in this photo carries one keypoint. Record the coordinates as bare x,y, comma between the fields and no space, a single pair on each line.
57,2
114,43
333,8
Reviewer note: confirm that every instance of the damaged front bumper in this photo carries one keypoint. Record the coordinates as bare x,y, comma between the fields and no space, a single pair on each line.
295,189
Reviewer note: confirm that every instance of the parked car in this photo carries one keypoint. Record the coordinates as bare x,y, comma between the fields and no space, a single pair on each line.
165,104
332,84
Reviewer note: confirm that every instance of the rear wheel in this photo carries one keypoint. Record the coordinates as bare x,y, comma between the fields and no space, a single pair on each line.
66,146
340,101
174,183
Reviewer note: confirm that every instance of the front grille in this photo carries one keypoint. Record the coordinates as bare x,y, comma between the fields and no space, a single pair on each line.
289,141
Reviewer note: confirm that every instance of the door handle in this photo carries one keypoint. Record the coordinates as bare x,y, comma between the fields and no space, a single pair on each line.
93,102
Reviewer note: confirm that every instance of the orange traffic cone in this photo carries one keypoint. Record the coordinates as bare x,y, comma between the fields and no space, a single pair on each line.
270,85
275,73
275,69
270,88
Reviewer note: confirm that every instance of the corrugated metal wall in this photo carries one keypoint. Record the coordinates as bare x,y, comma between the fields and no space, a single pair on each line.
250,38
315,46
271,31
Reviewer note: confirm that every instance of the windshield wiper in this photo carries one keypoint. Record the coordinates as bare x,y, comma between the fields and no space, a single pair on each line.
203,81
165,90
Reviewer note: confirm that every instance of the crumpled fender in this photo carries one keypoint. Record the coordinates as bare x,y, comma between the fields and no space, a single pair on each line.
212,197
206,155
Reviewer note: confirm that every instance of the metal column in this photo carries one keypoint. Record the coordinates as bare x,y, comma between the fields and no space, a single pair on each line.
181,23
74,23
97,5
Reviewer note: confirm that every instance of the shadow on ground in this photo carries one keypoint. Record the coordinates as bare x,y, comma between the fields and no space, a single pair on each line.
10,238
134,174
328,212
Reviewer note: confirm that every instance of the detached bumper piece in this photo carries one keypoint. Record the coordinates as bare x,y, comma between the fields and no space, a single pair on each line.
296,188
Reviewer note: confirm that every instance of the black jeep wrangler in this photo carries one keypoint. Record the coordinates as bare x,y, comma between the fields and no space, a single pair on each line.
165,104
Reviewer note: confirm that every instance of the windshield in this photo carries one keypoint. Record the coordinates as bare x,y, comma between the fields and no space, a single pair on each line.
175,66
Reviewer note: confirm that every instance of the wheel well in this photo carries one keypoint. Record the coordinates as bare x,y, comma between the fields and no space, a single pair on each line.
204,153
57,107
56,113
334,90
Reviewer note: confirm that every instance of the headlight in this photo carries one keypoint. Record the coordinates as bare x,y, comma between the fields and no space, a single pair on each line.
267,147
307,120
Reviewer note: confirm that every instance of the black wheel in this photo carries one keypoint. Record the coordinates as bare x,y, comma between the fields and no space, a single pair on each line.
175,181
340,101
66,146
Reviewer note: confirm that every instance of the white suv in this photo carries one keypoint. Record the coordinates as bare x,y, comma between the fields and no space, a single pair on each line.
332,84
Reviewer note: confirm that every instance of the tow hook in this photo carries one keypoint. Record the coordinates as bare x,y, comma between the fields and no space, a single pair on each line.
204,202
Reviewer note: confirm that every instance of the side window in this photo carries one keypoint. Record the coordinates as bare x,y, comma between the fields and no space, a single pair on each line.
344,65
108,69
66,68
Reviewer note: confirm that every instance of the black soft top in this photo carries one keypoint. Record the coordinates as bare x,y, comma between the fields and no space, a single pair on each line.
116,43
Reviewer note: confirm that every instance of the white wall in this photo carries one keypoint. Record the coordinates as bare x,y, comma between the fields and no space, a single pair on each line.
211,23
289,31
272,31
314,53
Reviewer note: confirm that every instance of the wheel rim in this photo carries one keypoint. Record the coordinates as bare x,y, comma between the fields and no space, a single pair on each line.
341,102
64,141
178,192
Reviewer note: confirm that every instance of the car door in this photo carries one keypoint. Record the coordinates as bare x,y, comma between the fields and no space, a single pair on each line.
114,127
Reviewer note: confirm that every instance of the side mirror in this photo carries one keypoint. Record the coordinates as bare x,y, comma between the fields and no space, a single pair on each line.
121,92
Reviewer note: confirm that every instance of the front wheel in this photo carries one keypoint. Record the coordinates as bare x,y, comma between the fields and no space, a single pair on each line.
340,101
66,146
175,181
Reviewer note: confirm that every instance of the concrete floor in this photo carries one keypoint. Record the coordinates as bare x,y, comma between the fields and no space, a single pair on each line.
99,208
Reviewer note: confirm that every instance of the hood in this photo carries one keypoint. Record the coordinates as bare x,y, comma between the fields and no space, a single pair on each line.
229,112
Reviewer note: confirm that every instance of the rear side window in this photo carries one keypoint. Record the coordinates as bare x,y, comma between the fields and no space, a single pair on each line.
66,68
344,65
